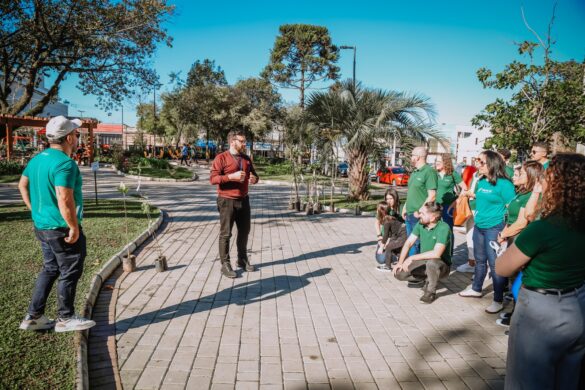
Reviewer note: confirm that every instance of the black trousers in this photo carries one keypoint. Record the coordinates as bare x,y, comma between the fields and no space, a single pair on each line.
230,211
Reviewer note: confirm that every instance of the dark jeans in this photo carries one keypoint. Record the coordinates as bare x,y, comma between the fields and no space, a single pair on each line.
184,159
411,222
63,261
546,346
485,255
431,270
448,219
230,211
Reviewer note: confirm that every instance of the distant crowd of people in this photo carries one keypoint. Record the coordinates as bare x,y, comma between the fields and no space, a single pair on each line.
523,223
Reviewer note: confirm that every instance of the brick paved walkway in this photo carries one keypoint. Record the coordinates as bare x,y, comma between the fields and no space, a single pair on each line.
315,315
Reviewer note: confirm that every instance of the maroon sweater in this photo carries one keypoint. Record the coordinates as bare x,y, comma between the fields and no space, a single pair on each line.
225,164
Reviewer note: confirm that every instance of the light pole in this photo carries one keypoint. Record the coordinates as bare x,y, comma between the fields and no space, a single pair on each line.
354,48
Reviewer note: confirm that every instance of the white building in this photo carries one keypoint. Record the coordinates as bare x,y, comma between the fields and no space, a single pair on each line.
470,142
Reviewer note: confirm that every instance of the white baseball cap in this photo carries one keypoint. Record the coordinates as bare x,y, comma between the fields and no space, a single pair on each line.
60,126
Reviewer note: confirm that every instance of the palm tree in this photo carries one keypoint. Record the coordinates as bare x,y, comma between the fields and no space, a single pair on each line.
364,118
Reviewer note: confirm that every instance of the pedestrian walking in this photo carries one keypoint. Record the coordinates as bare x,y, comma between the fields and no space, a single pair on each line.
185,155
51,188
422,188
434,261
494,191
232,171
546,346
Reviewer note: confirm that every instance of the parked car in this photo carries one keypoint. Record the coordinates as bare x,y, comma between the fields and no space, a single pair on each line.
343,169
397,176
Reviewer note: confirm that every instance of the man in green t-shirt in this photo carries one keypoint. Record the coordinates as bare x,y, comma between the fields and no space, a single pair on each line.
51,188
539,152
434,261
422,188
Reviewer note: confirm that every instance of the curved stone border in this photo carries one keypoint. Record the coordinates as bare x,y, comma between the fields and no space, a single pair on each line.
148,178
82,376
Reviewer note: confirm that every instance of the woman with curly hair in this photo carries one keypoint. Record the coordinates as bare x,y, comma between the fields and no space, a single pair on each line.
447,182
547,334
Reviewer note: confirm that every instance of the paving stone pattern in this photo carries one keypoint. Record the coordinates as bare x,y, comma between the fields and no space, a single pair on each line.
316,314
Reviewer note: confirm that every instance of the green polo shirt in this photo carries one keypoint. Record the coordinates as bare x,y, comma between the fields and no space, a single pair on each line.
515,205
421,180
440,234
491,201
556,252
446,188
509,171
49,169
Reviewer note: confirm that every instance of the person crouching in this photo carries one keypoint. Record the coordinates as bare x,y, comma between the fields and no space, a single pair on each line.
434,261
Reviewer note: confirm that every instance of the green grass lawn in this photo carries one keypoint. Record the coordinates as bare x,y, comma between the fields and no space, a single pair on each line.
171,173
35,360
9,178
365,205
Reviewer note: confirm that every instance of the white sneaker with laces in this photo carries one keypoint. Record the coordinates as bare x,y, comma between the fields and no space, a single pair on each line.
470,293
72,324
40,323
383,268
465,268
494,308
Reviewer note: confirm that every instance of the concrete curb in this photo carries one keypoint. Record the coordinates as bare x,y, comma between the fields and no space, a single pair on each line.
350,211
81,338
148,178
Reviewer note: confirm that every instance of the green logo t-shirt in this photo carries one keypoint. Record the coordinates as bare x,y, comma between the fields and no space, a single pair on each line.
491,201
440,234
421,180
49,169
446,188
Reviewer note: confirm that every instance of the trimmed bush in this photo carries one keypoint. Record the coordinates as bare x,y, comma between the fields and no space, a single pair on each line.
10,168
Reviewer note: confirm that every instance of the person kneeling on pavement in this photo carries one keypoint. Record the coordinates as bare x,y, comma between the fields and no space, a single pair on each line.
434,261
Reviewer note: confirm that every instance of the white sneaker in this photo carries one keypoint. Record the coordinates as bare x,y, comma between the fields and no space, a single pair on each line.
383,268
41,323
470,293
495,307
73,323
465,268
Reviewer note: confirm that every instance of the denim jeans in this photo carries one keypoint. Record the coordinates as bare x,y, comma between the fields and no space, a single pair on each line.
62,261
230,211
485,255
447,217
411,222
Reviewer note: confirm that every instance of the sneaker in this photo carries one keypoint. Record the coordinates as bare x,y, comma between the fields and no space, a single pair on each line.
39,323
470,293
465,267
383,268
509,297
245,264
495,307
505,315
73,323
505,322
428,297
227,270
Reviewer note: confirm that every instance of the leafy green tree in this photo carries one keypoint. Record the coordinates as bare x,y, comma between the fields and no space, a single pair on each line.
148,121
548,98
107,44
363,118
205,73
302,54
176,115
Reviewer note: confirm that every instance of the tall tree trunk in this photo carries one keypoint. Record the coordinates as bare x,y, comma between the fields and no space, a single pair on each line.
358,174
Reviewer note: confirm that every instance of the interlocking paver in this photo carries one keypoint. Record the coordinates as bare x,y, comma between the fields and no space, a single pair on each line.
315,313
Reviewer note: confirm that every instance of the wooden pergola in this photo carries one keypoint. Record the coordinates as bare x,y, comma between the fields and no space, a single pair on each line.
13,122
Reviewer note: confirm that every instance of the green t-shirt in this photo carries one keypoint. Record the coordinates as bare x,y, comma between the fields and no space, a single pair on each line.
440,234
509,171
47,170
556,252
421,180
446,188
491,201
545,165
515,205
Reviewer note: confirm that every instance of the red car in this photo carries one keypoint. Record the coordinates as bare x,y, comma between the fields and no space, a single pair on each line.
397,176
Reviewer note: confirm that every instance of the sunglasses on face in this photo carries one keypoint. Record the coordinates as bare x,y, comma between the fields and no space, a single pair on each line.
536,151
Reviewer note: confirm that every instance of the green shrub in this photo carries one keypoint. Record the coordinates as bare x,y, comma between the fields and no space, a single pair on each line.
10,168
154,163
278,169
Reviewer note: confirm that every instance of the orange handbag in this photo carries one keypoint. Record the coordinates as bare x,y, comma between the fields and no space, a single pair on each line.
462,211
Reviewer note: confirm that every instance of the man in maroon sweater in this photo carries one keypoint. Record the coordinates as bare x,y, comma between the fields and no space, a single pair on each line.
231,171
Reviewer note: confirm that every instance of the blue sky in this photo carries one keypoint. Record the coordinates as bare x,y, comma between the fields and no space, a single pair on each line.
428,47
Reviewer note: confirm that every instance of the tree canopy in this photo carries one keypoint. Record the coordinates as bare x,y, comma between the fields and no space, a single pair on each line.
107,44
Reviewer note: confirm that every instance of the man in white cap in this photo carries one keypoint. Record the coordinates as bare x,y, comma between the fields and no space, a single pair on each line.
51,188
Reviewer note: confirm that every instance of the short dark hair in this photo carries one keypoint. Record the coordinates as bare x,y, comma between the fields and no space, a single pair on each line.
235,133
505,153
543,145
434,208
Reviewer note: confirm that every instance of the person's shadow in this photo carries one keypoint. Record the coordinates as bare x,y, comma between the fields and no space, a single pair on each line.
241,294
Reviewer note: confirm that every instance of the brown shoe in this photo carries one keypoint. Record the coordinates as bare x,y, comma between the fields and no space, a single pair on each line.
227,271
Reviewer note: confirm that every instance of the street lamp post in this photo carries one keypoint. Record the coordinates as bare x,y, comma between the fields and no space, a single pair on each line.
354,48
